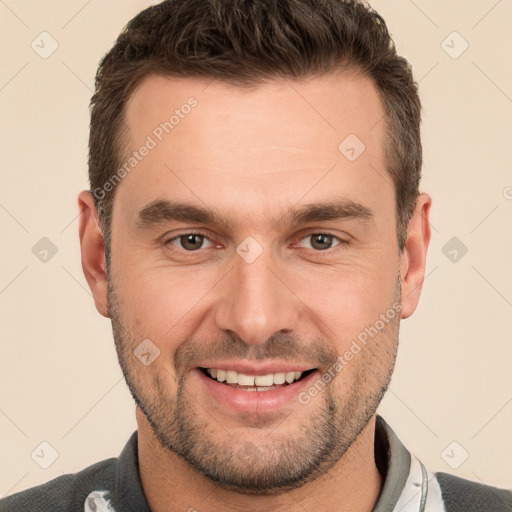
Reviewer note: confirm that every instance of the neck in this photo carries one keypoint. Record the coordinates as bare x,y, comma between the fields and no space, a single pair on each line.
170,484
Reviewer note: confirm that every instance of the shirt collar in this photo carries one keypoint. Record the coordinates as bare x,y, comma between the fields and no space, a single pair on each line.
394,463
129,494
392,458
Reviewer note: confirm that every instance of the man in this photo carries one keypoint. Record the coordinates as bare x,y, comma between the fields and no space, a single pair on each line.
255,232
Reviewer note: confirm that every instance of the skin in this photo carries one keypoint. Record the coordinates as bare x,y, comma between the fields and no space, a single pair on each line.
251,156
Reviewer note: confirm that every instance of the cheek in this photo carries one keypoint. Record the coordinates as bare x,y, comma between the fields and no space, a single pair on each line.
348,300
163,303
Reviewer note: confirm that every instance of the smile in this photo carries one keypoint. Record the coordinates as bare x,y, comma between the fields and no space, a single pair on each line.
245,382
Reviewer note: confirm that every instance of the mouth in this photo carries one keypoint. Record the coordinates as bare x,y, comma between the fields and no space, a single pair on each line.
255,383
255,387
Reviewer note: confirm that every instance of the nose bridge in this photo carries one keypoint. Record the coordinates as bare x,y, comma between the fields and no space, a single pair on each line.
255,303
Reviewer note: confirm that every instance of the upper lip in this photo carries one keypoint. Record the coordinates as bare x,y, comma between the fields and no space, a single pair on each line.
263,368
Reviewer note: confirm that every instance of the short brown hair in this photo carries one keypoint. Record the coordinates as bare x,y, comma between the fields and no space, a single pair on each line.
244,42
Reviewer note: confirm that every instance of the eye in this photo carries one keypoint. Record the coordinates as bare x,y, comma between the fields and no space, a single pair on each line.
190,241
321,241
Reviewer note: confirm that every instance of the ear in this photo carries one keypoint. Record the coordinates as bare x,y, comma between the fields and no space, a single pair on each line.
92,248
413,258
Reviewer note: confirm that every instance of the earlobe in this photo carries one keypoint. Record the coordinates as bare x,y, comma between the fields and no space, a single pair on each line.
92,248
413,259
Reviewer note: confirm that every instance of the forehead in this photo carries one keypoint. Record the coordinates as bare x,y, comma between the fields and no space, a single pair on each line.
260,147
329,106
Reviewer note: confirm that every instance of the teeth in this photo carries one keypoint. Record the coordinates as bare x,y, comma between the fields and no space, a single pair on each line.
264,380
279,378
245,380
232,377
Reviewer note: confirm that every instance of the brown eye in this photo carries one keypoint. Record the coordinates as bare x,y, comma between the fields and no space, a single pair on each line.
190,242
321,241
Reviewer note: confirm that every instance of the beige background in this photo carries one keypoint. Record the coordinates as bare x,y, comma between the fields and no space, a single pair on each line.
59,378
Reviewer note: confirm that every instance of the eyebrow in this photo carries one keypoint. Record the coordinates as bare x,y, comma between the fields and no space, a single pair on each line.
163,211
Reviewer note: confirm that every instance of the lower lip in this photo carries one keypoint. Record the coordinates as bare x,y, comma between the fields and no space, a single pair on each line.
255,401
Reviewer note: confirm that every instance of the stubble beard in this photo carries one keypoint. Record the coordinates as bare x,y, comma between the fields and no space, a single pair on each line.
279,462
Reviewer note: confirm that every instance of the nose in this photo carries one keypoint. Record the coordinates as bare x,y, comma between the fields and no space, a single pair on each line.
256,303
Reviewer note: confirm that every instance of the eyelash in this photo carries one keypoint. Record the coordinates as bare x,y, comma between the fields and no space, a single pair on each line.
340,245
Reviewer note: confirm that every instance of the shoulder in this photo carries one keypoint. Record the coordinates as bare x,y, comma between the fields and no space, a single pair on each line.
461,495
65,493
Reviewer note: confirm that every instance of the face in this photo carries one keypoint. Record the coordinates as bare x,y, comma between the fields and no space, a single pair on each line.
244,241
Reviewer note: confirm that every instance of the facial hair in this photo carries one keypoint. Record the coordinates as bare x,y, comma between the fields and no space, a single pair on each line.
281,461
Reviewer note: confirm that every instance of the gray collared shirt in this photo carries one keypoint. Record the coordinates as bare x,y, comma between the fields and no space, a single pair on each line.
114,485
